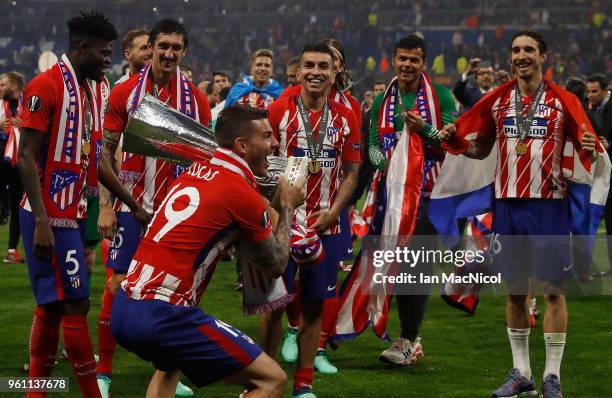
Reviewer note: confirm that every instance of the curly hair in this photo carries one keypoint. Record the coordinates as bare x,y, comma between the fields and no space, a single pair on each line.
91,25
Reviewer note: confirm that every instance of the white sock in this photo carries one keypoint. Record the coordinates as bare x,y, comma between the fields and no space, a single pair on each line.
532,303
294,328
519,343
555,343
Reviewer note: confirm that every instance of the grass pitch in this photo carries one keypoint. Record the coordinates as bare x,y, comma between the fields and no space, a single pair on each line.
465,357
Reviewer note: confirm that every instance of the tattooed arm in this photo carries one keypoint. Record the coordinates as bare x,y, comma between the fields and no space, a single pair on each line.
271,255
325,218
109,183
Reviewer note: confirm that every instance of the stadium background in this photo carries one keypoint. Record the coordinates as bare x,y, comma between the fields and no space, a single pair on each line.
465,356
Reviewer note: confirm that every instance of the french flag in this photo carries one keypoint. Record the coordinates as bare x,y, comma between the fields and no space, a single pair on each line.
465,186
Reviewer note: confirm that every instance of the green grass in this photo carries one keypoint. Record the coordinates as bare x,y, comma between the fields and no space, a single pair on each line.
464,356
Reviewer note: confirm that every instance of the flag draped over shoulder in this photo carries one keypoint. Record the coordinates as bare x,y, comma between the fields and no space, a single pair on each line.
396,204
465,186
239,90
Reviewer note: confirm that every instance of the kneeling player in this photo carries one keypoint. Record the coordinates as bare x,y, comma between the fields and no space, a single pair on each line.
206,209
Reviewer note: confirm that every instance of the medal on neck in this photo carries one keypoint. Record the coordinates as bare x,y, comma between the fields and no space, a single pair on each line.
524,125
314,148
86,144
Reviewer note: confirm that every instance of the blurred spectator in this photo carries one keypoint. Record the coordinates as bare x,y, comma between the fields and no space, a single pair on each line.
187,72
257,90
220,80
203,85
291,72
468,93
576,86
136,51
599,109
11,87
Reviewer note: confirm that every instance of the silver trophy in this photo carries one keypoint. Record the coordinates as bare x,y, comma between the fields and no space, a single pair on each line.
157,130
154,129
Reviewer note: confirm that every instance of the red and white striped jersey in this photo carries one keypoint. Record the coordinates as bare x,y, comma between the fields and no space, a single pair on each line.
341,144
206,209
147,179
538,173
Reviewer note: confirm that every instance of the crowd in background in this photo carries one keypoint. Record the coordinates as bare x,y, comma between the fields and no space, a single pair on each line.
224,34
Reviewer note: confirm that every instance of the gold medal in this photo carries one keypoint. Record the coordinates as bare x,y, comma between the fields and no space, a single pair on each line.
314,167
85,148
521,148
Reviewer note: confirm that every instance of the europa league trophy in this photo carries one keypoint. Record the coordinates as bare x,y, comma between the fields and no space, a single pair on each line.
157,130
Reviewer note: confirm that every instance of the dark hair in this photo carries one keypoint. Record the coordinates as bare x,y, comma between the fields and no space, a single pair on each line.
129,37
576,86
209,87
341,78
411,42
599,78
93,25
168,26
535,35
232,121
293,61
331,42
223,93
377,82
15,78
319,47
220,73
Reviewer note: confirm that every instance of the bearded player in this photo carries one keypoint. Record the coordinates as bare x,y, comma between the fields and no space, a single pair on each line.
136,51
147,179
157,314
311,124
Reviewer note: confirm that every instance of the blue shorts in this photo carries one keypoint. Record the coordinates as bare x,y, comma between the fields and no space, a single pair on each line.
65,277
174,337
318,283
125,243
534,239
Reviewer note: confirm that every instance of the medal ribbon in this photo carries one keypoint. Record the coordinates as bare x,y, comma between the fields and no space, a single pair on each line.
314,149
524,125
88,120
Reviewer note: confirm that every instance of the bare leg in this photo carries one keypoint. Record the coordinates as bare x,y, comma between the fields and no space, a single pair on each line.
271,331
308,338
163,384
517,312
555,319
262,378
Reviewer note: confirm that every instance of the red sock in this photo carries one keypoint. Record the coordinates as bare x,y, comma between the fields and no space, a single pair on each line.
328,320
293,312
44,337
303,378
106,342
77,343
